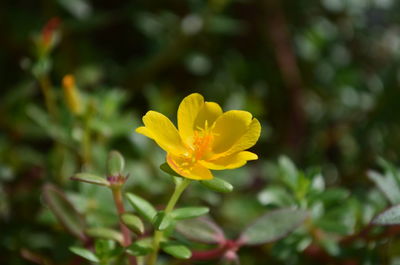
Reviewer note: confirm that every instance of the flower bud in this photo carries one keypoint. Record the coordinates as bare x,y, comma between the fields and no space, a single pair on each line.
115,163
48,31
71,95
48,37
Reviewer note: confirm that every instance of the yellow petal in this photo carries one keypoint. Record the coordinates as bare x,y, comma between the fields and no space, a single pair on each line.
209,112
247,140
230,162
187,113
229,128
195,171
193,113
143,130
162,131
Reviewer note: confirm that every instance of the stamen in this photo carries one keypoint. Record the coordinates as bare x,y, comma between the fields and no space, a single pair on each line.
203,138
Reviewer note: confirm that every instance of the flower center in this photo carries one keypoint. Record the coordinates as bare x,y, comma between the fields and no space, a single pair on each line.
202,143
199,149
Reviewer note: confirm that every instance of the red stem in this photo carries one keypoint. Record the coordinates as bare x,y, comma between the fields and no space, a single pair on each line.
216,252
208,254
125,231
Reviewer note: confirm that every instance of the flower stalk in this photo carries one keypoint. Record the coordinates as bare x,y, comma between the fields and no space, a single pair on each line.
180,186
117,195
83,112
87,141
49,97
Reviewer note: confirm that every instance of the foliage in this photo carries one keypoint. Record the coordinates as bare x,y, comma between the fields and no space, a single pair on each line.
321,77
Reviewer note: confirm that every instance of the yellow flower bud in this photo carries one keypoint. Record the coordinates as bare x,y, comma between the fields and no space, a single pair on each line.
71,95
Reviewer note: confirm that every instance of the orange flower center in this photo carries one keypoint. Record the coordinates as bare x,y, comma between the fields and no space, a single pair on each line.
201,146
202,143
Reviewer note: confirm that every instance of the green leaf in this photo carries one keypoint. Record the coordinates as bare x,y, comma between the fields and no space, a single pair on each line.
389,169
275,195
167,169
331,196
390,216
90,178
42,67
340,219
330,246
133,223
79,9
202,230
318,183
65,212
288,171
162,221
303,186
332,226
217,184
176,250
84,253
104,248
42,119
273,226
141,247
387,184
115,164
105,233
189,212
143,207
224,25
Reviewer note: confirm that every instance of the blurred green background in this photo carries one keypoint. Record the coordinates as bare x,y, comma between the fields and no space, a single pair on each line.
322,77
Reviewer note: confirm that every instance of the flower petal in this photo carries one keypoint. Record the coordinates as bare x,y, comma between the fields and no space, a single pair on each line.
248,139
193,113
194,171
228,129
187,113
230,162
209,112
162,131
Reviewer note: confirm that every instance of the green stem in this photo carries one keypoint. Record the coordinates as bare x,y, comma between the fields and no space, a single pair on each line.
49,96
158,235
86,144
52,110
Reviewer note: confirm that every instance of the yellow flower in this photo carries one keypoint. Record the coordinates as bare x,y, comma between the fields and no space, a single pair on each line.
206,138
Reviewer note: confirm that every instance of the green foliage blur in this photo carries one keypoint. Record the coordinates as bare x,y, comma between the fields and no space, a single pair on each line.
322,77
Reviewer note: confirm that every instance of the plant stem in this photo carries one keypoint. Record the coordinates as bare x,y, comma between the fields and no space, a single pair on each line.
86,141
117,195
52,110
158,235
49,96
120,208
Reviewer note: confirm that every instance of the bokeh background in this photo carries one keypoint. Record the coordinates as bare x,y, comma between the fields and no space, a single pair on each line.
323,78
